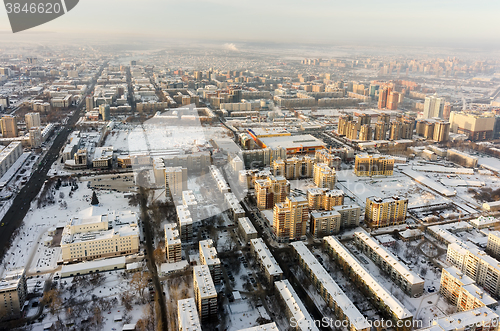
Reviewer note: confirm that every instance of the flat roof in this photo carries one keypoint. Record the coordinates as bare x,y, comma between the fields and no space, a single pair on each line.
348,308
265,327
205,281
247,225
430,183
295,306
265,257
172,234
381,292
304,140
486,220
188,315
184,215
78,267
209,252
388,257
461,320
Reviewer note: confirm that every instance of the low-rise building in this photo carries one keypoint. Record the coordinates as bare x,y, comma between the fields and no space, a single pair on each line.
481,319
246,228
266,260
402,276
234,205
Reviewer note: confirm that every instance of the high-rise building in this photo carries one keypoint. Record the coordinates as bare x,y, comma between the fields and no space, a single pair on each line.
380,131
325,223
385,212
392,100
198,75
205,294
290,219
89,103
35,137
324,176
32,120
105,112
13,292
476,126
462,291
407,129
373,165
172,243
433,107
294,167
425,129
271,191
175,180
342,125
8,124
330,157
352,130
384,117
365,134
324,198
396,128
447,109
383,94
364,119
441,131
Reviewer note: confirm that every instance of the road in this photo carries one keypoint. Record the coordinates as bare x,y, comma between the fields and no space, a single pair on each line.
15,215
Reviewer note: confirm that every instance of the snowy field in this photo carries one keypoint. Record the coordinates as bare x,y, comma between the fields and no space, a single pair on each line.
30,248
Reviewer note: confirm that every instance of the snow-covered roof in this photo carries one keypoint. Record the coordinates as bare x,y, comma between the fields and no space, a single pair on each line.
188,315
264,327
295,306
171,234
265,257
381,292
208,252
352,313
204,281
410,276
246,225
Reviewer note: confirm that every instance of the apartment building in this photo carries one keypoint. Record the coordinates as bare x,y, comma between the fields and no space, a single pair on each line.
268,265
263,327
493,245
208,256
367,282
219,179
324,198
476,264
246,229
295,309
400,274
325,223
234,205
32,120
175,181
173,250
381,212
332,157
8,125
187,315
329,290
9,155
13,292
373,165
294,167
290,219
481,319
324,176
185,223
349,215
271,191
462,291
205,295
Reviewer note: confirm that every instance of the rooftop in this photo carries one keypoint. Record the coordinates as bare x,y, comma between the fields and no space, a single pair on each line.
188,315
204,280
295,306
265,257
246,225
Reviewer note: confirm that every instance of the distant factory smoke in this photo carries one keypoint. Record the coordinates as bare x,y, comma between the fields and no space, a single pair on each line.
231,47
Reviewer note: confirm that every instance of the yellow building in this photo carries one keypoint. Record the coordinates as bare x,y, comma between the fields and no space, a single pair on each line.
290,219
325,223
205,295
8,124
373,165
271,191
385,212
323,198
324,176
173,243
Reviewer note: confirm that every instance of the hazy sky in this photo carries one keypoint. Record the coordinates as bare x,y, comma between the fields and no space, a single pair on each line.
453,22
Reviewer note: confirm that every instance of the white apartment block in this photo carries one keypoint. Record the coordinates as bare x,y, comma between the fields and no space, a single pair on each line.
205,295
405,278
219,179
363,277
295,309
185,223
266,260
493,245
9,155
208,256
234,205
187,315
331,292
173,250
246,228
175,181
